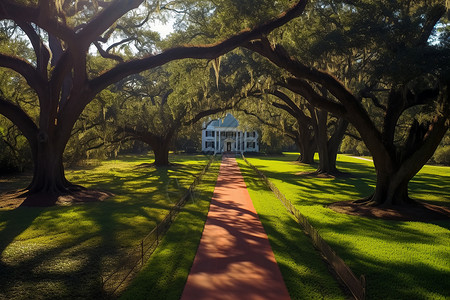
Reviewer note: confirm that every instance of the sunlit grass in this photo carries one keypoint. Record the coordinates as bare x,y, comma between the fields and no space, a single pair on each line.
166,272
401,260
305,273
61,252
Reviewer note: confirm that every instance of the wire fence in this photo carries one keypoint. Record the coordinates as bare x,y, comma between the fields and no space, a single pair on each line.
357,286
130,264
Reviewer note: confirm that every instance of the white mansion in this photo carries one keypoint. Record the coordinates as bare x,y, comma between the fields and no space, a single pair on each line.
220,136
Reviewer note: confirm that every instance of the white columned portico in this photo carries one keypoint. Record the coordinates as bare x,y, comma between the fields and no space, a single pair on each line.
233,138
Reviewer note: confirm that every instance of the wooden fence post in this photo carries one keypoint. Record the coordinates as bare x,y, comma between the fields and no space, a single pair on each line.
142,252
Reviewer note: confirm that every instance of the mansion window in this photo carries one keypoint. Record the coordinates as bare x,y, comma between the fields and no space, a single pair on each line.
209,144
210,133
250,144
251,134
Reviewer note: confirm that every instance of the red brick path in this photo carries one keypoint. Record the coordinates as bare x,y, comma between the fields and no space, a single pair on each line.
234,259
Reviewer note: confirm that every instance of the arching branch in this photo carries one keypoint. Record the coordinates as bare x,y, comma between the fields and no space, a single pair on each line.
105,19
296,111
210,51
41,51
20,119
206,113
106,54
38,15
304,89
25,69
284,107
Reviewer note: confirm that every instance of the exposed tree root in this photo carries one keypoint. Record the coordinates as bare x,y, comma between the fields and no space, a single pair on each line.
74,195
154,165
323,174
306,161
418,211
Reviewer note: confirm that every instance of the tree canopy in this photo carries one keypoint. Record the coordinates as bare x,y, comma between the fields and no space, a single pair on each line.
380,39
56,67
70,65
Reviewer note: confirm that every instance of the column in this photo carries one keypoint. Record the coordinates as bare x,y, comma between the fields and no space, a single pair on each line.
245,141
215,141
218,148
242,138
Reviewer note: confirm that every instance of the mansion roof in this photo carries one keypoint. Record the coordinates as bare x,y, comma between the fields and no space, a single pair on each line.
228,121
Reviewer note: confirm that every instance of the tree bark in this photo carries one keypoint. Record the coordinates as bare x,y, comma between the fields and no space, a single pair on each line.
49,180
389,191
161,151
328,147
322,139
307,147
334,143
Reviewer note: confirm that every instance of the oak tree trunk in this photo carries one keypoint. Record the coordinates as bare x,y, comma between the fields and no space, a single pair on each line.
307,147
333,145
161,151
390,190
394,172
328,147
49,180
325,166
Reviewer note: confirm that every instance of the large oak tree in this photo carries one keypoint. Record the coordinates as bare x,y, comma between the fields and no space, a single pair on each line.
401,71
156,105
61,33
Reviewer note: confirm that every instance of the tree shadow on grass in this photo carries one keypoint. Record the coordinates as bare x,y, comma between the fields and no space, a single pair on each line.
429,184
312,277
410,278
406,279
66,260
353,187
410,274
71,268
304,271
14,222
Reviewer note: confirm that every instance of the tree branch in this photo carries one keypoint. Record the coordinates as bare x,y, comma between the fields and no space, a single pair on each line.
298,113
304,89
105,19
21,120
120,43
354,136
106,54
34,80
206,113
210,51
421,98
434,15
433,137
41,51
286,108
37,15
289,133
366,93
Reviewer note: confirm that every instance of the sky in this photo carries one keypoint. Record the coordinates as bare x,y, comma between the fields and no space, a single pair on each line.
163,29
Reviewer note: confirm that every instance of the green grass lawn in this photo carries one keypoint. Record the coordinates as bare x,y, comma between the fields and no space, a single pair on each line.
401,260
304,272
61,252
166,272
